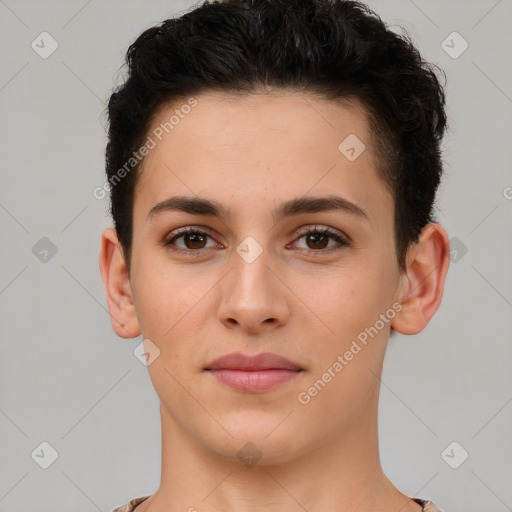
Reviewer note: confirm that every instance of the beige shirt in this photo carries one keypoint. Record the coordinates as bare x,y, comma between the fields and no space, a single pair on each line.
428,506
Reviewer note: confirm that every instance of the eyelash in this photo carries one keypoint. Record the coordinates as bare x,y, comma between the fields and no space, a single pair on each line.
343,241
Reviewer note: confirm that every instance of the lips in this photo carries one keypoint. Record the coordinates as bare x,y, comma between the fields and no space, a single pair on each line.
253,374
264,361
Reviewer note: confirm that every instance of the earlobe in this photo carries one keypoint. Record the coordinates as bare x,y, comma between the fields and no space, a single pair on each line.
114,274
427,266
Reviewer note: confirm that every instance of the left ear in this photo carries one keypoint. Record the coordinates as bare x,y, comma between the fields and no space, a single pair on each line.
422,285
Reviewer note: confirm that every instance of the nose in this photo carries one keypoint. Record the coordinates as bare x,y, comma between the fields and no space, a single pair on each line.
254,298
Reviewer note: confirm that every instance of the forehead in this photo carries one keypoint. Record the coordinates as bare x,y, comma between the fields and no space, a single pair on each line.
260,145
221,119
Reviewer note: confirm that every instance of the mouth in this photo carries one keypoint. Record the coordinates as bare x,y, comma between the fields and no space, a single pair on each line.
253,373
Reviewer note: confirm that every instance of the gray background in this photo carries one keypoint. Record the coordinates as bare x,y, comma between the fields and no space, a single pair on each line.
65,377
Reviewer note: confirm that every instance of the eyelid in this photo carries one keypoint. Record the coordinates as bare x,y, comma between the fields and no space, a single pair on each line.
342,241
179,232
324,229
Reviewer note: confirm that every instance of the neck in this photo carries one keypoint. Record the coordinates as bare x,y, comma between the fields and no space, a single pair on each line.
341,473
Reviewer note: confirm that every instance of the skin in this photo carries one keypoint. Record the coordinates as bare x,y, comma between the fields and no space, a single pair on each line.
251,154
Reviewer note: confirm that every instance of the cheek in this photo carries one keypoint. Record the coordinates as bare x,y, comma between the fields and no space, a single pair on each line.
171,302
347,307
350,306
343,301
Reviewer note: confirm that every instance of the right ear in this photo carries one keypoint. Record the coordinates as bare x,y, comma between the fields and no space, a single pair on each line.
117,286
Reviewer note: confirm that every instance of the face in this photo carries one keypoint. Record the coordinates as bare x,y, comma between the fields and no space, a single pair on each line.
265,269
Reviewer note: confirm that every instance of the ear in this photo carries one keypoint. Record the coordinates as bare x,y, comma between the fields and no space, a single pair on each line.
117,286
422,286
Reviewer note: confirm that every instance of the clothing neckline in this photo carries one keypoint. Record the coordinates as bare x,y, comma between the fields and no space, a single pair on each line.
427,506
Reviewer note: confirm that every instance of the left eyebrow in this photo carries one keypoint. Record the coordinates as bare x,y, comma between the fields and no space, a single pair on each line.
317,204
209,208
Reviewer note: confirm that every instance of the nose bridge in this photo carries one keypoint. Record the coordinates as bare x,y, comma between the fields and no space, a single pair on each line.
251,274
252,295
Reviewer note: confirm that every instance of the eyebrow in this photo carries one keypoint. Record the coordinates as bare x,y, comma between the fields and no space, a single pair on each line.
209,208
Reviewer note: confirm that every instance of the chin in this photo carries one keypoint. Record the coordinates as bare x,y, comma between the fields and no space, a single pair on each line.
255,442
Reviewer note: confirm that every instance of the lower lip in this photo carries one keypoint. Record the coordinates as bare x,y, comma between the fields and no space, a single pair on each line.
254,381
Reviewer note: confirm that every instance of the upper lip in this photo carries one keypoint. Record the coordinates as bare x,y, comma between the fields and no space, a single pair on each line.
247,362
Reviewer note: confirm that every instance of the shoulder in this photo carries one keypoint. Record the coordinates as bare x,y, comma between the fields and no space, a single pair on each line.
128,507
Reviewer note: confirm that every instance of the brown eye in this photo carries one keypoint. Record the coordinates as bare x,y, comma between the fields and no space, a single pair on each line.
191,240
317,241
194,240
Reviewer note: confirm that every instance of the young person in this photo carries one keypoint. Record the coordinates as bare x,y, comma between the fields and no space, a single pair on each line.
272,168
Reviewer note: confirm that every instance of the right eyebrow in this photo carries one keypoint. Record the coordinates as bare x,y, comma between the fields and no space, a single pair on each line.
192,205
